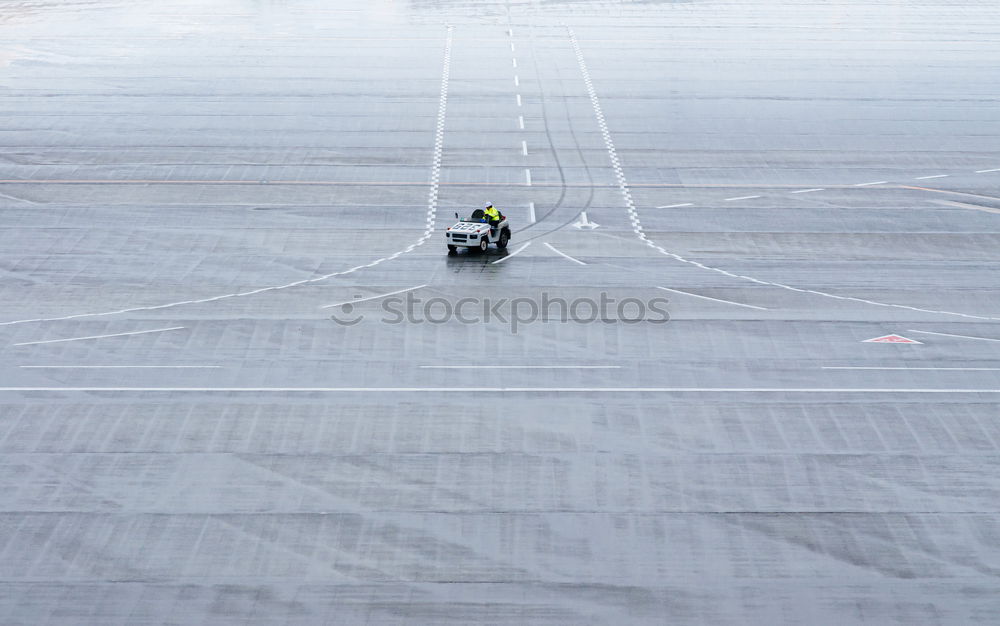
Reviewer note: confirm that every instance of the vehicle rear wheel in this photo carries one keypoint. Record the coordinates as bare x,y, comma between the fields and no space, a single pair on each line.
452,249
504,238
484,243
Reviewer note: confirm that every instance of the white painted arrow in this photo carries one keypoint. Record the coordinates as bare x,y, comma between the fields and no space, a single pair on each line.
583,223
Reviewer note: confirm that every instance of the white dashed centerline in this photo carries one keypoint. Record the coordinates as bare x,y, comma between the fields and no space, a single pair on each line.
524,148
741,198
930,177
996,169
520,122
674,206
137,332
527,176
809,190
517,81
531,212
518,99
877,182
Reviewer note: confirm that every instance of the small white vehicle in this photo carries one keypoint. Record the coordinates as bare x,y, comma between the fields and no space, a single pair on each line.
475,234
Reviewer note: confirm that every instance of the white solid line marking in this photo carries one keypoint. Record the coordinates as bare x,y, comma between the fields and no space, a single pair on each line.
674,206
518,99
123,367
524,148
384,295
531,212
694,295
877,182
511,254
137,332
927,332
946,369
930,177
550,247
997,169
741,198
466,389
809,190
527,176
521,367
517,81
520,121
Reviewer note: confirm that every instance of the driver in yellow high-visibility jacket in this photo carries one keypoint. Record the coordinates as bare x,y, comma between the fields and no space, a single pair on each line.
492,216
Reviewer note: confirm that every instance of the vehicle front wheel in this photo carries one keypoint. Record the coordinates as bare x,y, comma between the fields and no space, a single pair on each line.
504,238
484,243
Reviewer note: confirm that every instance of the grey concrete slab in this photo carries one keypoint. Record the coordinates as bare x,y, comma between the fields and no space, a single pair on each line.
188,436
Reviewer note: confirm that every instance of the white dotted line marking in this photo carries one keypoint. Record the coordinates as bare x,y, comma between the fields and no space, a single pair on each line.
432,199
637,226
606,134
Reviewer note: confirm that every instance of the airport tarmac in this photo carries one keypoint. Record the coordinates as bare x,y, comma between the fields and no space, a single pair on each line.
216,213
